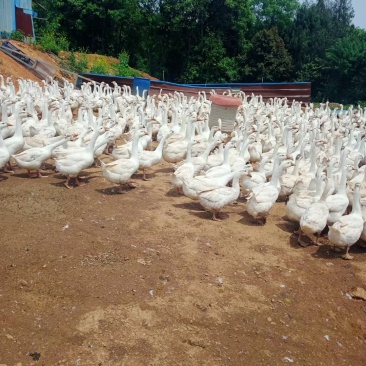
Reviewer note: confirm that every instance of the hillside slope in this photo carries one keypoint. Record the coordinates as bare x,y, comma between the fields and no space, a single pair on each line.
10,67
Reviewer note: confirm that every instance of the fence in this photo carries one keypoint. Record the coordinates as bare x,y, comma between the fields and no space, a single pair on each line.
300,91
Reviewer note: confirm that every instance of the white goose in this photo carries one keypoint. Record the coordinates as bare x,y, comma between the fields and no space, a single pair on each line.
16,142
191,187
214,200
348,229
314,219
224,168
288,180
4,153
149,158
338,203
255,178
33,158
184,171
177,150
121,170
263,197
72,164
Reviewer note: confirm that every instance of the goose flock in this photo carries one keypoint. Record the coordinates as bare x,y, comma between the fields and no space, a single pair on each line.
314,159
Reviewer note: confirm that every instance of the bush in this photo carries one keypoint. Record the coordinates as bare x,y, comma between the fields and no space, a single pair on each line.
78,64
122,68
17,35
100,66
51,42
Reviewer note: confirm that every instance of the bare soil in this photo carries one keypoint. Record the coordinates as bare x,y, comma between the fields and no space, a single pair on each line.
91,277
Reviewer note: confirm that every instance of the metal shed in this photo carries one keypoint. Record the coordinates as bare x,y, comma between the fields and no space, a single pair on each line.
16,15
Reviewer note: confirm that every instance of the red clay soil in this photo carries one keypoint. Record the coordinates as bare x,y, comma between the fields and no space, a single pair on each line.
91,277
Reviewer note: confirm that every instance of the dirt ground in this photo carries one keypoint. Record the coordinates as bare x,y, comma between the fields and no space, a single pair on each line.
90,277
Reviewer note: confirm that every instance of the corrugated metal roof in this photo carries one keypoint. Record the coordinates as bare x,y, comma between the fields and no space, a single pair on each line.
24,4
7,16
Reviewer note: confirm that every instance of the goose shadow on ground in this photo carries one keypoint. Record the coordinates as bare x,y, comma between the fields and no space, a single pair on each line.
164,170
24,175
83,180
173,193
287,225
113,191
326,251
85,175
248,220
191,206
206,215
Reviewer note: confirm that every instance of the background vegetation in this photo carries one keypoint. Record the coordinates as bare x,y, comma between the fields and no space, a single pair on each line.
217,40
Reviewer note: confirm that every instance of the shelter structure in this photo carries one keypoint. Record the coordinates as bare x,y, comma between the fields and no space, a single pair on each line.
16,15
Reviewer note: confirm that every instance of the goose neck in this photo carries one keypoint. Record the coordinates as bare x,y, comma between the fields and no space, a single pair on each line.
135,144
356,200
226,153
18,126
90,147
276,173
57,143
235,182
4,111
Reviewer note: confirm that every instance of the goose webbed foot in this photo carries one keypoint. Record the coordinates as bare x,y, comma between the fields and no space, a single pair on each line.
120,189
132,185
7,170
347,255
97,163
31,175
300,241
144,177
316,240
261,220
78,183
336,249
67,183
215,216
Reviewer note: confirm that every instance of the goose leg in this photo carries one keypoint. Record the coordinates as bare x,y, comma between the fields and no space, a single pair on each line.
120,189
78,183
30,175
132,185
97,163
144,178
40,175
303,244
316,240
214,216
6,168
67,183
347,255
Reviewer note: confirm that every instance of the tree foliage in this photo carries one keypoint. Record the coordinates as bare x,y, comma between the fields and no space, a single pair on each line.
269,59
218,40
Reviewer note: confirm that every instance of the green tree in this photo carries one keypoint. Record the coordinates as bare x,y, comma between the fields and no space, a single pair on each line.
346,66
274,13
268,58
209,63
